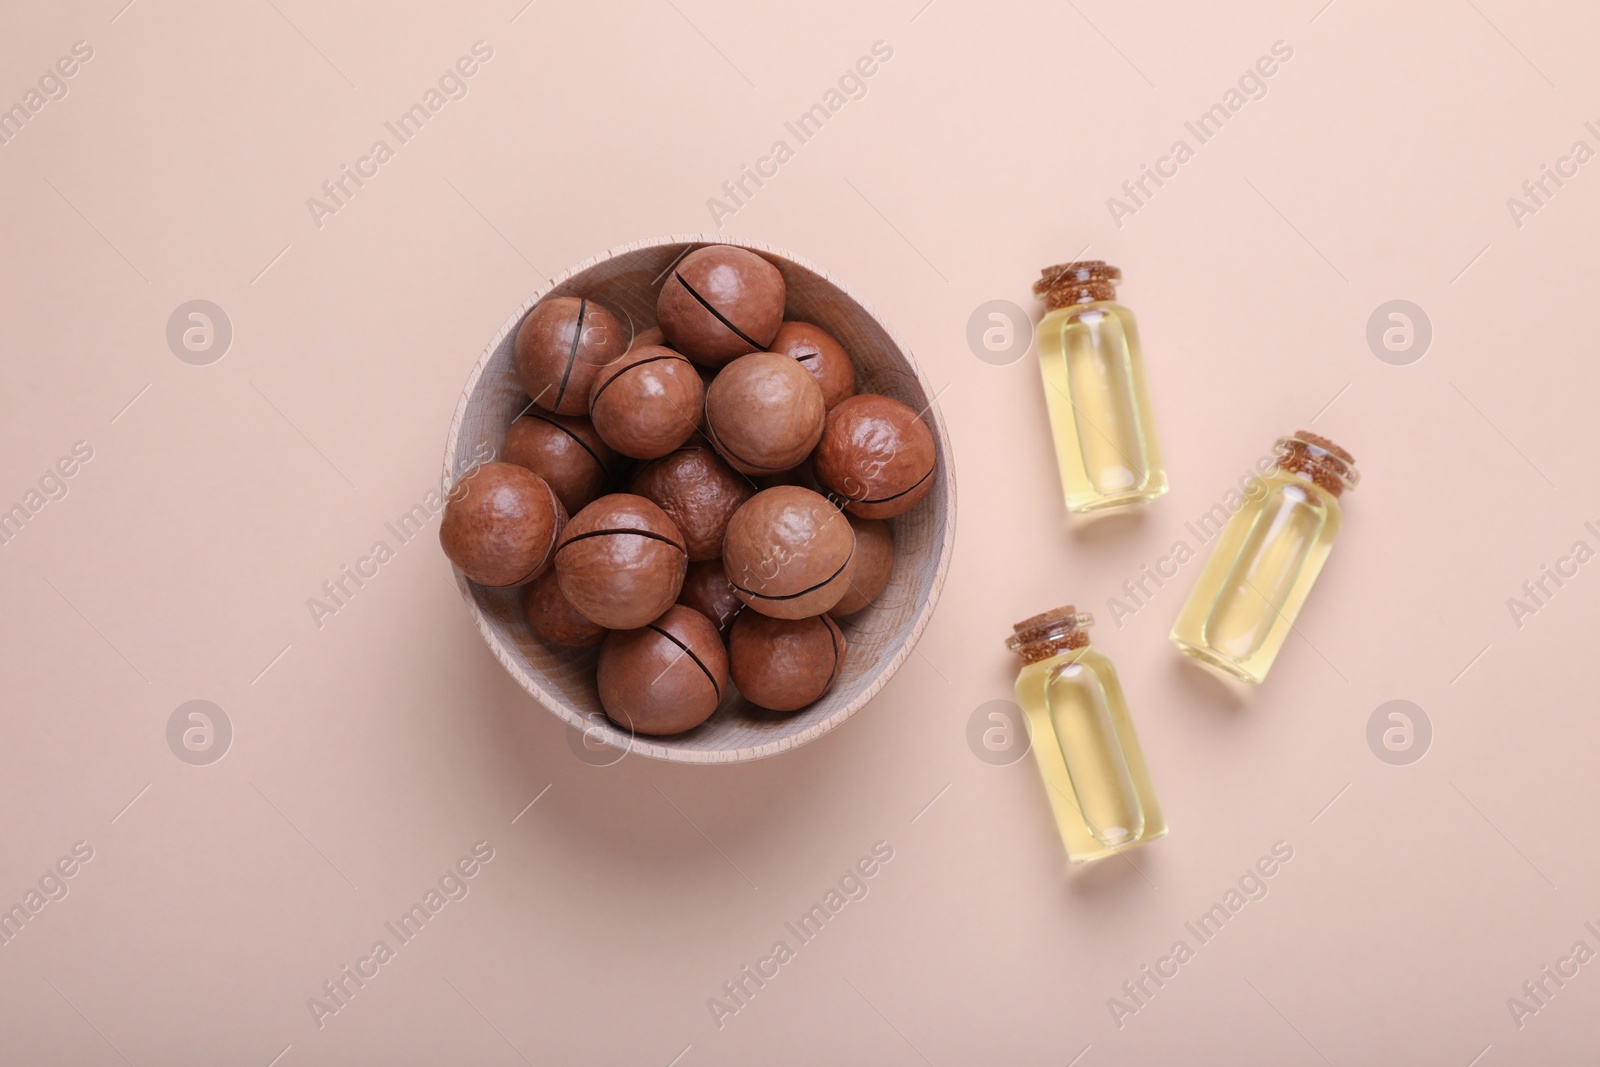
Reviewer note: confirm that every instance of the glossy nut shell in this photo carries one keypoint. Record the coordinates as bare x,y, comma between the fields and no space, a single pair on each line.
560,346
784,664
501,524
789,552
647,402
665,677
621,561
876,456
764,413
720,302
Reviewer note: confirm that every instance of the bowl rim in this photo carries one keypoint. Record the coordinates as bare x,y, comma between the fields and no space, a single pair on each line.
552,702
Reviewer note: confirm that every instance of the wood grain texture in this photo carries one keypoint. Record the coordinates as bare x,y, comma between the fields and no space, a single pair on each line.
881,637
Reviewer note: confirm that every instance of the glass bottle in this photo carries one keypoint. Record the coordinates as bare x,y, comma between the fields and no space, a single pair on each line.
1082,736
1269,553
1094,387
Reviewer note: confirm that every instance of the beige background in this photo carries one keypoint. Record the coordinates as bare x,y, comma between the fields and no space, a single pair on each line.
370,753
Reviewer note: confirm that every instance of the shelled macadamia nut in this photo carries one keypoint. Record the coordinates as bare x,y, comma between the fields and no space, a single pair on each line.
789,552
707,590
646,403
664,677
559,348
698,490
621,561
784,664
874,563
876,455
564,450
720,302
764,413
552,616
816,350
501,524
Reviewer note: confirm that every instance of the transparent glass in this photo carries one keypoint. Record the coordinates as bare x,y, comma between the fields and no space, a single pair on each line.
1083,739
1245,602
1099,407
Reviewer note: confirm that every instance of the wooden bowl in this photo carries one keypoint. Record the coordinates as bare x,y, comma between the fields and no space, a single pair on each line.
881,636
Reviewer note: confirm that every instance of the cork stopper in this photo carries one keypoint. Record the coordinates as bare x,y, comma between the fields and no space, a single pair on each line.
1082,281
1042,636
1319,459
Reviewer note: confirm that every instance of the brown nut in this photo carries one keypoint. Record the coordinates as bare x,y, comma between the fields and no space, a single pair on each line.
564,450
816,350
707,590
500,524
764,412
789,552
560,346
874,562
552,616
784,664
621,561
646,402
665,677
698,491
876,455
720,302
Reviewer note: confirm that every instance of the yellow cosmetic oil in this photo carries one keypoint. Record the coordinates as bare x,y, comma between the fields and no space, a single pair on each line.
1094,387
1083,739
1245,602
